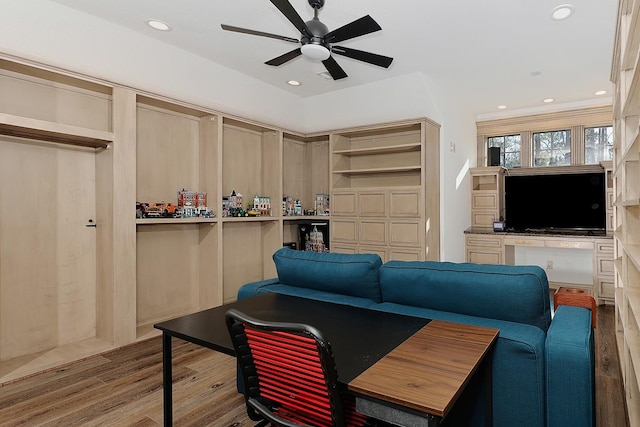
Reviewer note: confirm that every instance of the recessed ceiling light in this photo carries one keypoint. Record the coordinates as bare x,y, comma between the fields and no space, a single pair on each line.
158,25
294,83
562,12
548,100
601,92
501,107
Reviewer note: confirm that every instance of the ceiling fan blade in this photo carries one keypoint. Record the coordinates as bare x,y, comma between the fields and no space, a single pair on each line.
334,68
290,13
361,55
284,58
359,27
258,33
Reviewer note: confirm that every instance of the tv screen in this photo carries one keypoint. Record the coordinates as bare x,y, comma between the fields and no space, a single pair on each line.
556,202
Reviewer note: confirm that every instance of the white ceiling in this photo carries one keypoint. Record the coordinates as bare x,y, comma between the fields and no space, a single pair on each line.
496,51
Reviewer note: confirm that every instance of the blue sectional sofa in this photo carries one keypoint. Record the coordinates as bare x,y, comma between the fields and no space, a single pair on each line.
543,370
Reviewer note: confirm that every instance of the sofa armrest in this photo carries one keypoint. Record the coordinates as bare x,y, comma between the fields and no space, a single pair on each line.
252,289
570,363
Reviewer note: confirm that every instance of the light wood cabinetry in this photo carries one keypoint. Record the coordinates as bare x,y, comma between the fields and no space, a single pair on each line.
487,196
625,75
487,205
79,274
385,191
54,284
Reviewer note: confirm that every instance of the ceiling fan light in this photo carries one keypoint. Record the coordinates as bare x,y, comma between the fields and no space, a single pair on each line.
315,51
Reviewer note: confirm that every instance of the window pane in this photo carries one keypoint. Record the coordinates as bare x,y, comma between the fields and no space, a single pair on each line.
598,144
552,148
509,149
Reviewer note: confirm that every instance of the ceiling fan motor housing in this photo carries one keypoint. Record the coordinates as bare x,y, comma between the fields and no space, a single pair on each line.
316,4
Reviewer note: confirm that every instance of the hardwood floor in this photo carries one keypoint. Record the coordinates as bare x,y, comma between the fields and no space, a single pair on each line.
124,388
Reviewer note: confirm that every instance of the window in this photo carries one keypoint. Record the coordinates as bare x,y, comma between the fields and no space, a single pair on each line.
552,148
509,149
598,144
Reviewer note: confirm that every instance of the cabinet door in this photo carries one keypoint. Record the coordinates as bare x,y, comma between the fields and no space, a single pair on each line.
405,203
372,232
381,252
48,262
405,232
484,200
344,204
372,203
344,230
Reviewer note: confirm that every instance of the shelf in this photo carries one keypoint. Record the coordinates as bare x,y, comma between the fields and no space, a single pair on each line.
151,221
306,218
401,148
41,130
378,170
250,219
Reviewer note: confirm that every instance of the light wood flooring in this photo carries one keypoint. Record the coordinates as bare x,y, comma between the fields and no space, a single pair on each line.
124,388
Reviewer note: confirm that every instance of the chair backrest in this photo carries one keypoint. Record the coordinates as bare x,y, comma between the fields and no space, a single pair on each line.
289,373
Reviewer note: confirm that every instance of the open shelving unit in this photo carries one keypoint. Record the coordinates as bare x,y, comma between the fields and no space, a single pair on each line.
383,185
625,75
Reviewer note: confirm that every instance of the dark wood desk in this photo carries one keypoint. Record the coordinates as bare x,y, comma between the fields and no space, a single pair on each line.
359,337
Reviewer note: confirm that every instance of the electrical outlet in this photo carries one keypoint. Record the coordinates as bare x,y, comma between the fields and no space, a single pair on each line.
549,265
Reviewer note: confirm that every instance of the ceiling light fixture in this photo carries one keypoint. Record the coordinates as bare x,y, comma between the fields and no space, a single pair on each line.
562,12
501,107
294,83
600,92
548,100
315,51
158,25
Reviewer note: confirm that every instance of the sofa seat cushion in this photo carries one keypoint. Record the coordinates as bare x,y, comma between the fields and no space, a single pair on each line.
353,275
518,365
503,292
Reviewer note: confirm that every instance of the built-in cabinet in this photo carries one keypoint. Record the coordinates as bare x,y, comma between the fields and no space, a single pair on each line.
80,274
385,191
483,245
625,75
487,196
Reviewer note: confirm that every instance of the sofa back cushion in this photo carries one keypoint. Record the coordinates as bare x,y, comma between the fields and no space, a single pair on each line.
347,274
504,292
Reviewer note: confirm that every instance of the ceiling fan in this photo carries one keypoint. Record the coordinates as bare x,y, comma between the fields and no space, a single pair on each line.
317,41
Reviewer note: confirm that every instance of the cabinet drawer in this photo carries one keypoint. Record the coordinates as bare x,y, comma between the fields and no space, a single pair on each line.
572,244
405,233
484,241
606,289
372,204
343,230
373,232
604,266
405,203
604,248
483,219
405,254
484,200
344,204
524,241
481,255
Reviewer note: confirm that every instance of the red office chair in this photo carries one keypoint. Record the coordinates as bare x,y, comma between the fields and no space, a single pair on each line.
289,375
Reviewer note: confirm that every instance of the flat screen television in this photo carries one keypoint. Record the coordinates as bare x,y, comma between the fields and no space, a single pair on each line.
569,202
